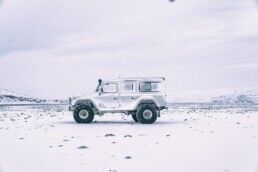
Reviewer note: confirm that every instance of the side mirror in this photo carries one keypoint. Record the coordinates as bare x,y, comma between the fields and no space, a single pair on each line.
100,91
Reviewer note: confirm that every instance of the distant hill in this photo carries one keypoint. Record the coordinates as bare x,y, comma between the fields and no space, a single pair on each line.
232,97
238,97
224,96
10,97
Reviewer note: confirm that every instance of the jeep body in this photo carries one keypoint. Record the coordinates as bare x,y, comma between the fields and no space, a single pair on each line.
143,98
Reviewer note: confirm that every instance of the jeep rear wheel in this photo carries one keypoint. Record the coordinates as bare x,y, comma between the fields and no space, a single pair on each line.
83,114
146,114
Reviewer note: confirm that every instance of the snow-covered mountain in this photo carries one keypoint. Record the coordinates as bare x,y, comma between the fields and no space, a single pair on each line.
223,96
7,96
238,97
232,97
11,97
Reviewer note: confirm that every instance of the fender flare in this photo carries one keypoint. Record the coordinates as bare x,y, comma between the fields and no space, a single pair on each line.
87,102
146,101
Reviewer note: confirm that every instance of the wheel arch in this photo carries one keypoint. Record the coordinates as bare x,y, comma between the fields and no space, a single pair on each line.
87,102
147,101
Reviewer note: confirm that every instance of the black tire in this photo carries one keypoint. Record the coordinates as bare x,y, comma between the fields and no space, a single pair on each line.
142,112
88,114
134,117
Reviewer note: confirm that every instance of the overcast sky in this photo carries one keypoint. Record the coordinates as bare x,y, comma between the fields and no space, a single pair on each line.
59,48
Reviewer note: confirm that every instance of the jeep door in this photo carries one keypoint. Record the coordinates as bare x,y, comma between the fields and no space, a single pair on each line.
108,97
128,95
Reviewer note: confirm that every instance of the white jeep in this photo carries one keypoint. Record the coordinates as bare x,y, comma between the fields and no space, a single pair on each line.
143,98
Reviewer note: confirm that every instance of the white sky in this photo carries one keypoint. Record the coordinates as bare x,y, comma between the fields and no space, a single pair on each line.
58,48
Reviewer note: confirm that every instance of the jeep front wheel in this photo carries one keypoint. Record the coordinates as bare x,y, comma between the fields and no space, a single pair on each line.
146,114
134,117
83,114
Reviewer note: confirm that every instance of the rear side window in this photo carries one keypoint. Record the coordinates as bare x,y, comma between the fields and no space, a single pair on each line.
150,87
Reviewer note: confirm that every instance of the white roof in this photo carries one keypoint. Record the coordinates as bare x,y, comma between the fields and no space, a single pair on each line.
155,79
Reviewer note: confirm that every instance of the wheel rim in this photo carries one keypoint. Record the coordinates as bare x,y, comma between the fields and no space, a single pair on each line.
83,114
147,114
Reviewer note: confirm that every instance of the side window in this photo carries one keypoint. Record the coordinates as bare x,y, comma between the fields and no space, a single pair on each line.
109,88
150,87
128,87
155,86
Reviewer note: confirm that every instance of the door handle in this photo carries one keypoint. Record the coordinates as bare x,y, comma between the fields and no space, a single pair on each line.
133,98
115,98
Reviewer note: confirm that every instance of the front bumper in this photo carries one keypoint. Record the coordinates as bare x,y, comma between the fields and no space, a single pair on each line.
163,108
70,108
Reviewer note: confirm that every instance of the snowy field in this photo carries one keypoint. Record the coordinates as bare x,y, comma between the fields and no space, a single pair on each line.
194,138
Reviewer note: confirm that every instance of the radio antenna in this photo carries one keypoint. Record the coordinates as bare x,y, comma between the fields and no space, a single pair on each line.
124,67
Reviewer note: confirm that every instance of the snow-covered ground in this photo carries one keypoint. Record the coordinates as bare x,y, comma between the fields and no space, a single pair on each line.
185,138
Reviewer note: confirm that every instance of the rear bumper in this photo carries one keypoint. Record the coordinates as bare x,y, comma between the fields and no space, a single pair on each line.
70,107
